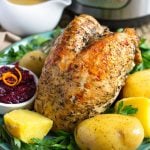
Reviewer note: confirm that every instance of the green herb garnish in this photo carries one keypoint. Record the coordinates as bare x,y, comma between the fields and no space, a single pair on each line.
38,42
126,110
145,51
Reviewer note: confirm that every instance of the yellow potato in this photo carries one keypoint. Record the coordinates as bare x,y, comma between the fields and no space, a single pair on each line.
26,125
109,131
137,84
143,106
34,61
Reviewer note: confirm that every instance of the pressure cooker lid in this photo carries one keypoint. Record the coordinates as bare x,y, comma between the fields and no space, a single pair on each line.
123,15
104,4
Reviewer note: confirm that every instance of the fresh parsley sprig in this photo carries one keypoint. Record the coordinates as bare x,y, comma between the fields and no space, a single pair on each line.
145,52
126,110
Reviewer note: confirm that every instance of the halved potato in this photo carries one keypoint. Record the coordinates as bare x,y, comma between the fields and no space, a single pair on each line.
25,125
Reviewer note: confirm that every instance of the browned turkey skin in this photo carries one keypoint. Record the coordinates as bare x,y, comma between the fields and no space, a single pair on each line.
84,72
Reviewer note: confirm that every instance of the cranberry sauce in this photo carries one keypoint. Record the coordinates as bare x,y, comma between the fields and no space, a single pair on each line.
20,92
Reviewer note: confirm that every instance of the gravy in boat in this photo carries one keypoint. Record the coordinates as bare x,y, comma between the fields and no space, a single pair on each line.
26,2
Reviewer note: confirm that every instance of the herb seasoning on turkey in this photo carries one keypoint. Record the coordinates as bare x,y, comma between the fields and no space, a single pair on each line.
84,71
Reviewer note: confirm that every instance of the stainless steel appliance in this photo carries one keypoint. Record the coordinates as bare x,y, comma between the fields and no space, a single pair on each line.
115,12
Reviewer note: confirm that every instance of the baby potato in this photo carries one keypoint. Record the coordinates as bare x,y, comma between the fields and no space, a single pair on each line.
109,131
34,61
137,84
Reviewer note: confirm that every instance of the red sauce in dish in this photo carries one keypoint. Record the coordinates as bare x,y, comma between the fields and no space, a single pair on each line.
20,92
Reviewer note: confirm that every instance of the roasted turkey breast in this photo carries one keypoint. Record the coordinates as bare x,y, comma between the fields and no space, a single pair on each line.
84,71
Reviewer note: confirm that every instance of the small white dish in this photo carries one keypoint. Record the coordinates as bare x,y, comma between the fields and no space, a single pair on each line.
5,108
31,19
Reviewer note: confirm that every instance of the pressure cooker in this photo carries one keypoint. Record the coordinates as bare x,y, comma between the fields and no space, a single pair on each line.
131,12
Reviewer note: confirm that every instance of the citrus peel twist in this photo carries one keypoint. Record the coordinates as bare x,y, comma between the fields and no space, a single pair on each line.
10,78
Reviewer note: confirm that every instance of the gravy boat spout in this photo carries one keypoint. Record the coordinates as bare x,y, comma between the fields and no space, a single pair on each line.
63,2
59,5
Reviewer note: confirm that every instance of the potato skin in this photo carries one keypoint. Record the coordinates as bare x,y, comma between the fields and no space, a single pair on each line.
34,61
109,132
137,84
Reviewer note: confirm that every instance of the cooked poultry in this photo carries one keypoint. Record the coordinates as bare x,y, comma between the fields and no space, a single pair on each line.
84,72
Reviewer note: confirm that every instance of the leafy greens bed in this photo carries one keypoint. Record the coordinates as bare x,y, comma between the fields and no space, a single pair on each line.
145,50
59,140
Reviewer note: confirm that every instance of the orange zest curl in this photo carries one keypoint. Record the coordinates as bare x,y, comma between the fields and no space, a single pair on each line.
11,79
20,75
6,79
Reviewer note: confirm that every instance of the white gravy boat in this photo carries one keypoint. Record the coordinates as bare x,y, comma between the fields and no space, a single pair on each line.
30,19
